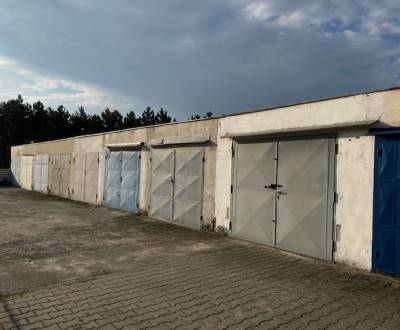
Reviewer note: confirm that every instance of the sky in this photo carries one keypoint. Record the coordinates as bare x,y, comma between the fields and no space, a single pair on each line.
192,56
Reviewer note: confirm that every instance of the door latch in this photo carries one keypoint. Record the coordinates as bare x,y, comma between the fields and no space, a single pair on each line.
273,186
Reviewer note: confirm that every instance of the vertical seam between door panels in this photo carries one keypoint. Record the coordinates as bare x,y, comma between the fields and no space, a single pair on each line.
275,226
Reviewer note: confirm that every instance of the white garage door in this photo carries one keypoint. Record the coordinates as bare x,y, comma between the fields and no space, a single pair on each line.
283,194
41,173
60,175
86,169
177,185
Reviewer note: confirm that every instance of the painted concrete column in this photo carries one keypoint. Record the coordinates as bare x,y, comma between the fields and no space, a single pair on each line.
354,210
223,183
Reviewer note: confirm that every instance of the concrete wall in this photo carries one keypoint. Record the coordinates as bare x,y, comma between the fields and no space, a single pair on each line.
354,210
98,143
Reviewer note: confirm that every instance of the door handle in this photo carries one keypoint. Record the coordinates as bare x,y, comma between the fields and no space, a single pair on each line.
273,186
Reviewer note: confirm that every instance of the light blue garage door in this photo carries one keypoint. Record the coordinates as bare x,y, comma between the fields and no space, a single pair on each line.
122,180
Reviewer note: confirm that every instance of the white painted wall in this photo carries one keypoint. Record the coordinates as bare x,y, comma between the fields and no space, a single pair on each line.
354,211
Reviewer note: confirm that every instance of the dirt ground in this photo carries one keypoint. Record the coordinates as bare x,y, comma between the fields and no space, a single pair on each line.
69,265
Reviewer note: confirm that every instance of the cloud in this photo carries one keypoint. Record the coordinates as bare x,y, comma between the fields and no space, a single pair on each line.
259,11
194,56
52,90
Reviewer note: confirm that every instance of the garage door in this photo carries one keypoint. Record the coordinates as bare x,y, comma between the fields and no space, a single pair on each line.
15,170
255,205
65,175
86,167
55,163
284,193
176,186
26,172
60,175
41,173
122,180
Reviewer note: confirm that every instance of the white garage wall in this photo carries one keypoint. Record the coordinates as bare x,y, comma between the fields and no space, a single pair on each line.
354,210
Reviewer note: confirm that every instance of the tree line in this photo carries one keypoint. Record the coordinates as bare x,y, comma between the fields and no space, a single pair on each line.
23,123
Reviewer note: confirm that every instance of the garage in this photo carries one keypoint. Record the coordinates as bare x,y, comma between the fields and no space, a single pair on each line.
283,194
60,175
177,185
86,167
27,172
121,189
41,173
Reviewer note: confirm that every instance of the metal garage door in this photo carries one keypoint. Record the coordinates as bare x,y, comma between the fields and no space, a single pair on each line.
255,205
15,170
91,177
112,196
60,175
41,173
26,172
86,167
162,176
386,227
65,171
302,206
122,180
55,163
79,177
176,187
283,194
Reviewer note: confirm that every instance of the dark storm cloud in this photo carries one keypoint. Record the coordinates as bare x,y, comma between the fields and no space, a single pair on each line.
195,56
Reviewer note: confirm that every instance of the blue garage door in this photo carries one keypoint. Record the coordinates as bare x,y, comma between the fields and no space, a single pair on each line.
122,180
386,234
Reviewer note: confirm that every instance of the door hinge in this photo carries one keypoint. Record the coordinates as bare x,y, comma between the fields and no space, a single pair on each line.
233,151
230,225
148,207
204,159
336,148
334,246
231,189
335,197
151,159
98,160
201,218
140,156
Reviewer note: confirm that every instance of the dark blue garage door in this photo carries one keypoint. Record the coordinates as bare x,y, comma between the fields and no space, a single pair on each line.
386,229
122,180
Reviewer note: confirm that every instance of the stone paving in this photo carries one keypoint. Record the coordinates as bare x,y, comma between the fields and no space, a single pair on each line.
229,285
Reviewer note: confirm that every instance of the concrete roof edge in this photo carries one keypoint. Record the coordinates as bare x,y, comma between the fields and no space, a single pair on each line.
313,101
222,116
